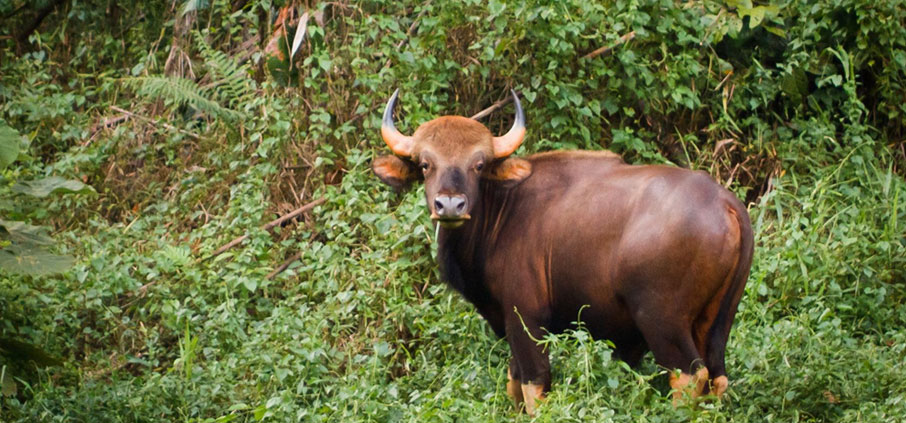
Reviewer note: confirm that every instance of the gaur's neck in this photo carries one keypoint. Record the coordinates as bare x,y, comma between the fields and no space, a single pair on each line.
462,251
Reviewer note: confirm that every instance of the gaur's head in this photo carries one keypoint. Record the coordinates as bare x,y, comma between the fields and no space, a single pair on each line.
452,154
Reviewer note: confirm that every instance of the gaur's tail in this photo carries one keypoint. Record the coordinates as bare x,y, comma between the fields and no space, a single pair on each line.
720,329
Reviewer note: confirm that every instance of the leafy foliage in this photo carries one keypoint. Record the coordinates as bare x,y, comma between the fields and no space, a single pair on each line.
52,185
22,244
795,105
9,145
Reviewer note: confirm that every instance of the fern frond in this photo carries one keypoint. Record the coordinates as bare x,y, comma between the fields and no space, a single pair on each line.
176,91
230,80
230,87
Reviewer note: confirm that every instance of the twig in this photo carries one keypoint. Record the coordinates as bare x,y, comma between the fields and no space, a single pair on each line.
493,107
411,30
294,213
285,265
269,225
607,49
107,123
111,121
152,121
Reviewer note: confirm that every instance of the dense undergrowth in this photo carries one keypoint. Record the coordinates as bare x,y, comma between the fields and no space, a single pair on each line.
192,132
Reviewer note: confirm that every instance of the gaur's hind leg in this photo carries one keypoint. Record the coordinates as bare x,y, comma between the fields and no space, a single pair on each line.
713,330
676,351
685,384
716,347
673,348
711,344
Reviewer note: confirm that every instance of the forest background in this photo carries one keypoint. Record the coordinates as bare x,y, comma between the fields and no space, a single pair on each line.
136,139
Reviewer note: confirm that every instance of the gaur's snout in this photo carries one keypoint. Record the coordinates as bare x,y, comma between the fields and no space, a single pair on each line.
451,206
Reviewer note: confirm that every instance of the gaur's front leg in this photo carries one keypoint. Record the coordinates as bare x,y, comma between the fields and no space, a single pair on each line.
513,386
530,360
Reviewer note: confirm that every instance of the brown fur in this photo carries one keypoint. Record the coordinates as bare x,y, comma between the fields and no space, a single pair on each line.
453,138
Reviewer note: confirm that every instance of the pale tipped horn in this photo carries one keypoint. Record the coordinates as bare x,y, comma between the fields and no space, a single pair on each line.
400,144
506,144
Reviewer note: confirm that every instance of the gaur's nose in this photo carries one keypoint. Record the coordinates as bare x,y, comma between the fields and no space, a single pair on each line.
450,206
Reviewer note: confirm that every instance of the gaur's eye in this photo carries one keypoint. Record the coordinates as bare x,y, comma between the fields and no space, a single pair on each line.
423,166
480,166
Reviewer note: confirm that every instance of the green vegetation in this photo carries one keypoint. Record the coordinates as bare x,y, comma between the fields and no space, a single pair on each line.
195,122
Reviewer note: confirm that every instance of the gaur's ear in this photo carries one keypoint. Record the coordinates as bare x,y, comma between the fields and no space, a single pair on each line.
509,172
394,171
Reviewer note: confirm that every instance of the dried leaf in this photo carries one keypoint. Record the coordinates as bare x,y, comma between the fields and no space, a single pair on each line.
301,29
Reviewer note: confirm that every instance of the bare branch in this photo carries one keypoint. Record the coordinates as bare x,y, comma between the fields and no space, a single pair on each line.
607,49
268,226
493,107
284,266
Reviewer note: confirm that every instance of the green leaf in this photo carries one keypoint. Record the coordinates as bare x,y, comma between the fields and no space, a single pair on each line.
53,185
239,407
7,385
324,62
24,233
740,4
756,15
496,8
780,32
9,145
259,412
28,260
795,85
734,25
250,284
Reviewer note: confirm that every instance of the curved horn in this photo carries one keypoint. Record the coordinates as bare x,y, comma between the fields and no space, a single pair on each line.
400,144
505,145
